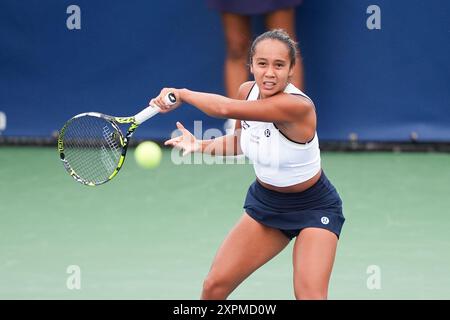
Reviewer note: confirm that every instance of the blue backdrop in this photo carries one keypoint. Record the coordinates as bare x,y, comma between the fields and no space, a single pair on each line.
380,84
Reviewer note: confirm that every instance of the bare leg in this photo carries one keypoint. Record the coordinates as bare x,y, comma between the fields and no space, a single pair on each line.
248,246
285,19
313,258
237,30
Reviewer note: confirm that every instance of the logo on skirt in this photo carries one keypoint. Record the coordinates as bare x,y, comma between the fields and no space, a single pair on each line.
325,220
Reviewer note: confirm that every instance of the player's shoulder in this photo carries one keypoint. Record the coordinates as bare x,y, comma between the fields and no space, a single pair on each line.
296,92
245,89
297,95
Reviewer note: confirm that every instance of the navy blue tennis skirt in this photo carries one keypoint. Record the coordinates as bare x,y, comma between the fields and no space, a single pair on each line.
250,7
318,206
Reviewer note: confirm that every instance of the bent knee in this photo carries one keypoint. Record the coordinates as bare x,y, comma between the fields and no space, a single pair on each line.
215,288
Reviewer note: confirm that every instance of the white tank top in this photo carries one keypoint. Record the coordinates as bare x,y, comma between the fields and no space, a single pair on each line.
276,159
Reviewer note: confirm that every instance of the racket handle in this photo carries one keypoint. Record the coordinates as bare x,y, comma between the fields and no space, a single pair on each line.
151,111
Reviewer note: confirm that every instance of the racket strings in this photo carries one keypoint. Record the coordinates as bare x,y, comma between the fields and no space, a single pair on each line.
91,148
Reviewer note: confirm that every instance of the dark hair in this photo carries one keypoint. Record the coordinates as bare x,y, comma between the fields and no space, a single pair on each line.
276,34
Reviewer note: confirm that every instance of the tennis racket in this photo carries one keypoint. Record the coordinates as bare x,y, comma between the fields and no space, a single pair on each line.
92,146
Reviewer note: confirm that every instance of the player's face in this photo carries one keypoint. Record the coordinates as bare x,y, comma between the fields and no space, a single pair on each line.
271,67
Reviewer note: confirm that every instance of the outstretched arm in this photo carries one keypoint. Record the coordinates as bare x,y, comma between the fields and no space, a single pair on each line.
227,145
279,108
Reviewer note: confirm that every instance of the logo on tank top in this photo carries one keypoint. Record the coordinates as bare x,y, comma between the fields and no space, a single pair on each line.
245,125
325,220
267,133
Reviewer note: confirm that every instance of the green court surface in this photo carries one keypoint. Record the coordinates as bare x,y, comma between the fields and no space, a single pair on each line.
152,234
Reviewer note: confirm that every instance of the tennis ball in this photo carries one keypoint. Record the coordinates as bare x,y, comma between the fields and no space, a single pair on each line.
148,154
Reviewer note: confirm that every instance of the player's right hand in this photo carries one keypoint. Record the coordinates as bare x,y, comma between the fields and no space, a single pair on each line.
161,100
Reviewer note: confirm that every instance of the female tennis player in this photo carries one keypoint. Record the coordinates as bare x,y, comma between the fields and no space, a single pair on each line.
291,196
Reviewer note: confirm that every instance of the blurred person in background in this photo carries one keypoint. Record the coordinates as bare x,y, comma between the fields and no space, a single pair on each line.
236,19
